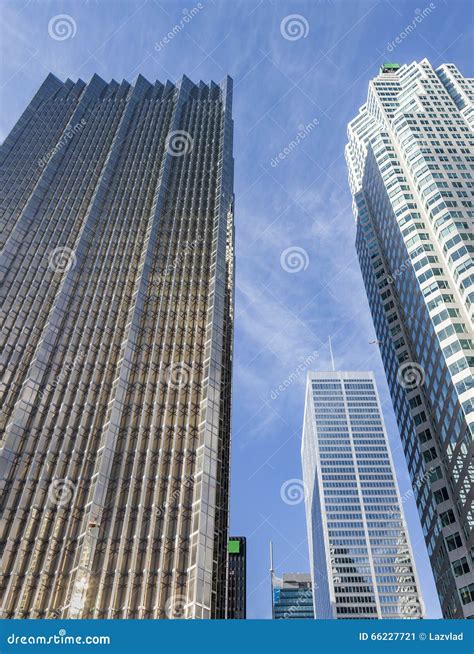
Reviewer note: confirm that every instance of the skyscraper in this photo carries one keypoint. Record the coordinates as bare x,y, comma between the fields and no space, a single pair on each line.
117,319
293,597
360,555
411,172
237,578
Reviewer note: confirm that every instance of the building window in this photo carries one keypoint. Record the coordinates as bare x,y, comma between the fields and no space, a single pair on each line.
467,594
461,567
454,541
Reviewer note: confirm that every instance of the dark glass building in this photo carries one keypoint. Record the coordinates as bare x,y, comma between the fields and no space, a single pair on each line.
117,317
292,597
237,578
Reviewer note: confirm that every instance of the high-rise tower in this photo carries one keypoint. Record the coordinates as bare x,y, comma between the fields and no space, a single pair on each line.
117,319
360,555
411,172
293,597
237,578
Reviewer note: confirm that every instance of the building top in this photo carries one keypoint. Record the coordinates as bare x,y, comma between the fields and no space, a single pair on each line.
389,68
341,374
293,580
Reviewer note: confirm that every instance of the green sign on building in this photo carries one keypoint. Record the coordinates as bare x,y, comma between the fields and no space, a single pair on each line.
233,546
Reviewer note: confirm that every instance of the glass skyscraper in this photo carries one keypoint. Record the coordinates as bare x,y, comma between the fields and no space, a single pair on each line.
117,319
237,578
292,597
411,172
360,555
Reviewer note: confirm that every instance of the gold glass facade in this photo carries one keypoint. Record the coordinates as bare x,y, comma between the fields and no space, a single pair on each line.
117,317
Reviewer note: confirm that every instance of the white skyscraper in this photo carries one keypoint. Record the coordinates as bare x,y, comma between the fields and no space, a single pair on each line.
360,556
411,172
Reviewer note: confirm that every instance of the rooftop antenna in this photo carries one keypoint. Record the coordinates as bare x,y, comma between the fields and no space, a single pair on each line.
272,571
332,357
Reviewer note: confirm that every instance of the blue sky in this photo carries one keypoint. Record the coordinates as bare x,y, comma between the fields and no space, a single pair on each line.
282,318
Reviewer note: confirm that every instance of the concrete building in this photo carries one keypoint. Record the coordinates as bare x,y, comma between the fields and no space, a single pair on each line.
411,172
361,561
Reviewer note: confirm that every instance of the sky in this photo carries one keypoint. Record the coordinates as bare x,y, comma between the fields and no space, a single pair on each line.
298,68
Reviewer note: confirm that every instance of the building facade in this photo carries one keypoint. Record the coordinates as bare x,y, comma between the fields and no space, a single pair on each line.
411,172
292,597
361,560
117,317
237,578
